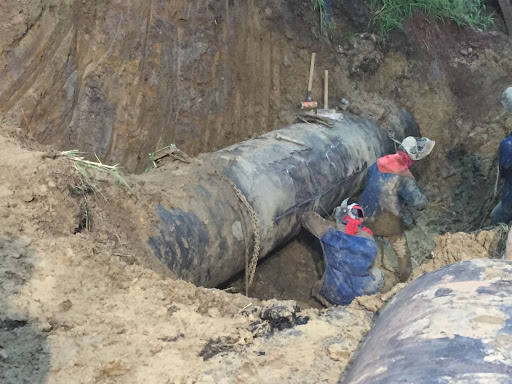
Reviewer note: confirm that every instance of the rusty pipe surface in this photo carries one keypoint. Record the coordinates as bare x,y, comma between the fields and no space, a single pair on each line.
204,230
453,325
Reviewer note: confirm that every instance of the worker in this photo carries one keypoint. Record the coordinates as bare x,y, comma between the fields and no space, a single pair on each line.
389,185
349,252
502,213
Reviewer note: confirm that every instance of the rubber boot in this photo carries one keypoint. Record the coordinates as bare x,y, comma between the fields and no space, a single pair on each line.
315,292
403,255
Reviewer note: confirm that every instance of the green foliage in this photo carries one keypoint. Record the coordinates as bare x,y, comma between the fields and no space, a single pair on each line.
325,26
86,167
391,14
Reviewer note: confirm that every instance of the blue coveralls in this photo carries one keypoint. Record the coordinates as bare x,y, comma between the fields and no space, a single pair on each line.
502,213
387,192
348,271
382,200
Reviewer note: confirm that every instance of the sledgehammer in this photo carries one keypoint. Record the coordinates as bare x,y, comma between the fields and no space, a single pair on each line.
308,104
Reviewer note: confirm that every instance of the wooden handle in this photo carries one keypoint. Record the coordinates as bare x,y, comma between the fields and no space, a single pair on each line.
326,89
311,69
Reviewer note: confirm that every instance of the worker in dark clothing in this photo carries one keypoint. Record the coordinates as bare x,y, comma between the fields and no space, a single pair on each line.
502,213
389,185
349,253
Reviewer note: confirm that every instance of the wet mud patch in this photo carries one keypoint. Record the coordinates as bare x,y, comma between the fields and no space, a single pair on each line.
280,317
473,195
287,273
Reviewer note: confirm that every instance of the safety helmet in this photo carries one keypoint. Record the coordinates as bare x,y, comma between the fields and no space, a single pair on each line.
417,147
354,211
506,99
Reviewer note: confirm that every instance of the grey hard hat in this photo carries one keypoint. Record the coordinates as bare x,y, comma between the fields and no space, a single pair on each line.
506,99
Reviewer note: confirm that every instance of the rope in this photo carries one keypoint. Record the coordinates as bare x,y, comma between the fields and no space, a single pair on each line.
250,262
397,143
496,182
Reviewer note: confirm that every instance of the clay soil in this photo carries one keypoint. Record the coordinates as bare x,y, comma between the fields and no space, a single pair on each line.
86,302
88,307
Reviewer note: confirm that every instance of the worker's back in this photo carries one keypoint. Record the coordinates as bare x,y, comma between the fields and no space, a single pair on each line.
349,272
387,189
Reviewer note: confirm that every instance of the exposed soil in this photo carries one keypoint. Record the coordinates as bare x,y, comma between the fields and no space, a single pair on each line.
82,299
85,305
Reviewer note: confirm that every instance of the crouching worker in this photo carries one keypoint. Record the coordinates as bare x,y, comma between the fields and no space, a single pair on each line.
389,185
349,253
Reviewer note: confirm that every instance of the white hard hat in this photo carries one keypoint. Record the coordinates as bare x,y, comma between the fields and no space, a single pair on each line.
417,147
506,99
353,210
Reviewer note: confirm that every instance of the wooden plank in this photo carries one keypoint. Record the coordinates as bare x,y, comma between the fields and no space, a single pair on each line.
506,10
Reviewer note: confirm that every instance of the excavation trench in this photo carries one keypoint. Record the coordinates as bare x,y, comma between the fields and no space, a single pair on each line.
216,210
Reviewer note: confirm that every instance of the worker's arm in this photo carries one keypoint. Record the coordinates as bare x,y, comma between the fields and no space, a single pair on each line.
411,194
317,225
505,157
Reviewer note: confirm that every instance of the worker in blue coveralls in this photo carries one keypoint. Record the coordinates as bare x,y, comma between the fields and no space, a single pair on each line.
349,253
502,213
389,185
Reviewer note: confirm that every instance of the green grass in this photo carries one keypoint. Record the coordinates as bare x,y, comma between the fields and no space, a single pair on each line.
391,14
86,169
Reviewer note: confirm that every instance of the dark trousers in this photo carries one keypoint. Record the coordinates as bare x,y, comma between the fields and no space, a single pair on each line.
392,227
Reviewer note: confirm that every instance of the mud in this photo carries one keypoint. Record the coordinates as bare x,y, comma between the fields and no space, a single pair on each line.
66,296
124,79
288,273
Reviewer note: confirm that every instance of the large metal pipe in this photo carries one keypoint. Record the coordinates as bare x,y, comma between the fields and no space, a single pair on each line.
453,325
205,230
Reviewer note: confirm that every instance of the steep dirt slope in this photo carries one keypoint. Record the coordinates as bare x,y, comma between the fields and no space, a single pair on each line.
123,78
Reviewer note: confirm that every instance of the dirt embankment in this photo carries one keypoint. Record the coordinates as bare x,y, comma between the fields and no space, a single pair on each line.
121,79
84,306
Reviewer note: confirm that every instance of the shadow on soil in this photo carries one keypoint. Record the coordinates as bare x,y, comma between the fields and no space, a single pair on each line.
24,351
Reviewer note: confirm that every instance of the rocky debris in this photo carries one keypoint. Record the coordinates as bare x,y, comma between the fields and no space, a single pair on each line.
26,195
338,352
374,303
284,315
9,324
215,346
364,56
46,327
65,305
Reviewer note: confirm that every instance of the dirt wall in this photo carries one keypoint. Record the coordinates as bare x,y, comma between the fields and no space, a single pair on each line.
120,79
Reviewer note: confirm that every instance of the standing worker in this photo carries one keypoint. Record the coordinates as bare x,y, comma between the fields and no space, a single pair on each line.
389,185
502,213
